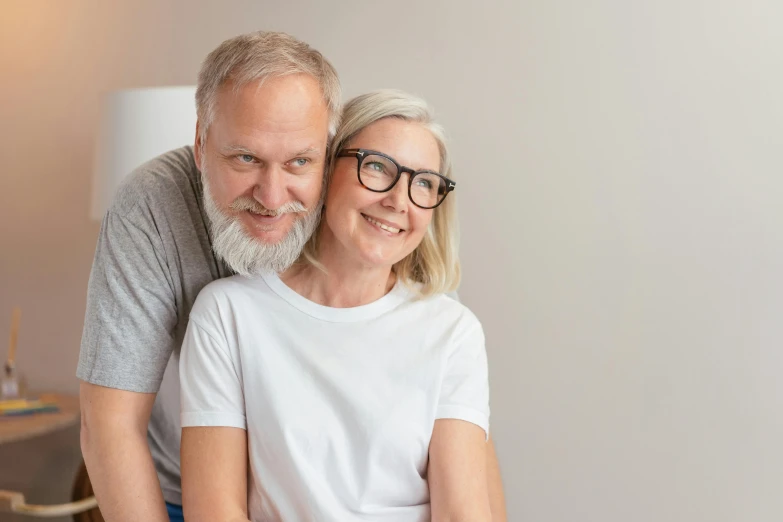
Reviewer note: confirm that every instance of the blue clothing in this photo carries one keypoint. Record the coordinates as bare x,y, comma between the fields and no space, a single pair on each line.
175,512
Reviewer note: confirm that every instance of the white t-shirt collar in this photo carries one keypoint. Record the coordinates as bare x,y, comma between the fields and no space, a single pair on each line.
398,294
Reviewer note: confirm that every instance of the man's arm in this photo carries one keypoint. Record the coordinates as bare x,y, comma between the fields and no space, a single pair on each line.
497,501
214,474
115,450
128,339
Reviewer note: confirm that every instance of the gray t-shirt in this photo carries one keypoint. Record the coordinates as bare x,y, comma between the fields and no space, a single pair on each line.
153,257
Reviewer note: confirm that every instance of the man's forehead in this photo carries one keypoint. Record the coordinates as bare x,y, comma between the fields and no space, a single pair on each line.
282,104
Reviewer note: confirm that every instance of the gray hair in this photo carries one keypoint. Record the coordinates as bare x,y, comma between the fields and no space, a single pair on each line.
255,57
434,264
249,256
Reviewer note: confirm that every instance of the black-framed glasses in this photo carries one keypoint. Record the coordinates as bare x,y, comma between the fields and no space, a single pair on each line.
379,172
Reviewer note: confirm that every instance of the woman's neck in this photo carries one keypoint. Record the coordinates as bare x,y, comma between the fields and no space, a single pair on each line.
347,282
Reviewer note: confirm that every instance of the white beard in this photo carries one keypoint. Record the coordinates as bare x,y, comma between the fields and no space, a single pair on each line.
249,256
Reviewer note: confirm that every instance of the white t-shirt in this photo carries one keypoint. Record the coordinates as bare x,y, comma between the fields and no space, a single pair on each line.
338,403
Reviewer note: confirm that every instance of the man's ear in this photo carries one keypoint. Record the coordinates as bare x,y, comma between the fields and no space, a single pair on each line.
198,146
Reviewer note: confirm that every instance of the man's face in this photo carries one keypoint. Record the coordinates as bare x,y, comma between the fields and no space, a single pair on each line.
263,163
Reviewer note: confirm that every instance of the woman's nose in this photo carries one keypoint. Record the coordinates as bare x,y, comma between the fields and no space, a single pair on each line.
397,197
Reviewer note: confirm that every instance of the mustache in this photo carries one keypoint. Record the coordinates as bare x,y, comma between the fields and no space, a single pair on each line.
243,203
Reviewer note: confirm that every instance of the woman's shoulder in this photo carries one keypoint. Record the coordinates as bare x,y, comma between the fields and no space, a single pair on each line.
231,286
226,294
445,310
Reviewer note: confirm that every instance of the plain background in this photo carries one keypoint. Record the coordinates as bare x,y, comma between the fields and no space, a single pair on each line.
620,188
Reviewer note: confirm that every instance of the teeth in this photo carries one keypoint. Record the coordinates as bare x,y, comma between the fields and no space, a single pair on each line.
381,225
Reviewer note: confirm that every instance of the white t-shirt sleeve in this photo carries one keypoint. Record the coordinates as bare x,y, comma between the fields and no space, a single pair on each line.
464,392
210,380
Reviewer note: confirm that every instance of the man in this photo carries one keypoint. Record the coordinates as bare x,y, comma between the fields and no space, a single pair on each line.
267,106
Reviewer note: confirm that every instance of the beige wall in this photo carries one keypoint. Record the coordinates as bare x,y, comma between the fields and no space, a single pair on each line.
620,191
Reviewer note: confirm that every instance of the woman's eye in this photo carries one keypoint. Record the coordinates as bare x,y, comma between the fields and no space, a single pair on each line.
374,165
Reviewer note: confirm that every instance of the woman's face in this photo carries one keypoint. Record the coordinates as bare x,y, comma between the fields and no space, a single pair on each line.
381,228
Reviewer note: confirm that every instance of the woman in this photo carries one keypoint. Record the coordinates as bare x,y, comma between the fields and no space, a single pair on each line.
351,385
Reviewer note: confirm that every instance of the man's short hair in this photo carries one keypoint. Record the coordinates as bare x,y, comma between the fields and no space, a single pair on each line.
254,57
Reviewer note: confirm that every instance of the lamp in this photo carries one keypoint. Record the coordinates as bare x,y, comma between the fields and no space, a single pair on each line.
138,125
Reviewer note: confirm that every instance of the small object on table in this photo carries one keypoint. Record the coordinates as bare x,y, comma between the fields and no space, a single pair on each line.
15,428
11,382
17,407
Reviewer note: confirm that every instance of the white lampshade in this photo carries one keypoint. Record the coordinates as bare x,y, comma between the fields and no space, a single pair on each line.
137,125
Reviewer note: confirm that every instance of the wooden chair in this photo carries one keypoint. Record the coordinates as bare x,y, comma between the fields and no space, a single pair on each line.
82,489
83,505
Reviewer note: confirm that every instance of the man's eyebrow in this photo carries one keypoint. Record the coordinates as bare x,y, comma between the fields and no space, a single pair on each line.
236,149
307,151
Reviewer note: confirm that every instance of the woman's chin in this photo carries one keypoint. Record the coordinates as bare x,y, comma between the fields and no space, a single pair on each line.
380,260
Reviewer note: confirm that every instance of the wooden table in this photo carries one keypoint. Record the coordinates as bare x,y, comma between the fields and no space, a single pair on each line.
24,427
13,429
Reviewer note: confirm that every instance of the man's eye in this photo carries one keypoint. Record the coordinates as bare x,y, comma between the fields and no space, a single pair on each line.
300,162
245,158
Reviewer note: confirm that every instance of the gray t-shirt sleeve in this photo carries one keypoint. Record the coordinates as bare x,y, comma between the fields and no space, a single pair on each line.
131,317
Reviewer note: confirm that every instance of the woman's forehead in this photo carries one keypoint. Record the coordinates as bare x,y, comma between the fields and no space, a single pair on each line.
411,144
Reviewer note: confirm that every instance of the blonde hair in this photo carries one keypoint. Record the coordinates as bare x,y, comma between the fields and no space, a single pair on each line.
433,267
256,57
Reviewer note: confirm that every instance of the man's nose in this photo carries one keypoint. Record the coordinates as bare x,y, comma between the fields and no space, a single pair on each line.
270,188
